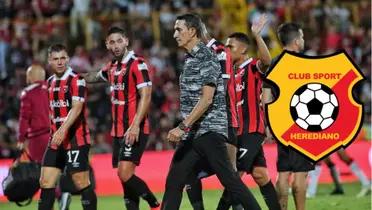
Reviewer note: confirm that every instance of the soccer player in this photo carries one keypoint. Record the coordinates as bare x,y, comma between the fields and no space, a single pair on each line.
194,187
204,128
249,78
70,141
289,161
130,87
314,176
34,123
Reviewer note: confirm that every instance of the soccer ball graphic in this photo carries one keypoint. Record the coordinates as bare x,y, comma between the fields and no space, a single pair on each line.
314,107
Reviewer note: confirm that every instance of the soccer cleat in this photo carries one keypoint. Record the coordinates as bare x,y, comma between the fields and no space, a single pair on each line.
337,191
364,191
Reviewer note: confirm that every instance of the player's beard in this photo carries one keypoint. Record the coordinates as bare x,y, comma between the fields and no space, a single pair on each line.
121,56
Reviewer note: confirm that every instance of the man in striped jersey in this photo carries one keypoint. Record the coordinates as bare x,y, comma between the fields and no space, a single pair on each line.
248,79
70,140
130,87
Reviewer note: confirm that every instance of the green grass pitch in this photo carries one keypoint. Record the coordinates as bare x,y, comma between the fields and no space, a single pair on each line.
323,201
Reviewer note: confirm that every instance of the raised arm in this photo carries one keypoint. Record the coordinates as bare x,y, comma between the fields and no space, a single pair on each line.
263,51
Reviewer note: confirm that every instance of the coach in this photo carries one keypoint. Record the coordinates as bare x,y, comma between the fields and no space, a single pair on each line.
204,126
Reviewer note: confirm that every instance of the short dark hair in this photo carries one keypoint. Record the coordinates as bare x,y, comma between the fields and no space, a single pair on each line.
192,21
56,48
115,29
241,37
287,32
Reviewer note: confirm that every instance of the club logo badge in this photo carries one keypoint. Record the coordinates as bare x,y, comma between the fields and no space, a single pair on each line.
315,112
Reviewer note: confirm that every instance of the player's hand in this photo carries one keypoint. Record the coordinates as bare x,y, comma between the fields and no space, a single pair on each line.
175,134
131,136
59,136
259,25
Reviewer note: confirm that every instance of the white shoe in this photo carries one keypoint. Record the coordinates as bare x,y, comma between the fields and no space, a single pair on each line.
364,191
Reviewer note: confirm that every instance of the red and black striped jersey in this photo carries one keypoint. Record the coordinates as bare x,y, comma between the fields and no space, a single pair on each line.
249,80
61,92
126,78
224,57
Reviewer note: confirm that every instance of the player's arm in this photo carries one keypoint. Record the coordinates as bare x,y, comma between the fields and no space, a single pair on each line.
267,97
263,51
140,72
143,106
209,76
78,89
205,101
73,114
95,76
24,119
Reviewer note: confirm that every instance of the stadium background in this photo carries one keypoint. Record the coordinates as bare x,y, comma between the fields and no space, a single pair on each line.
28,27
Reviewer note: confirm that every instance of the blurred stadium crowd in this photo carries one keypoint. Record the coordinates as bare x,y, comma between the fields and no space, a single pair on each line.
28,27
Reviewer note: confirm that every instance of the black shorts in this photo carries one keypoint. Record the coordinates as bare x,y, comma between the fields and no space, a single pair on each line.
74,160
125,152
290,160
232,139
250,152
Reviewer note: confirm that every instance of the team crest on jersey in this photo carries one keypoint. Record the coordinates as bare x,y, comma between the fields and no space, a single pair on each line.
315,112
65,88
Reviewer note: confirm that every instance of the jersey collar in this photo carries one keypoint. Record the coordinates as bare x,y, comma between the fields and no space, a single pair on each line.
126,58
65,75
246,62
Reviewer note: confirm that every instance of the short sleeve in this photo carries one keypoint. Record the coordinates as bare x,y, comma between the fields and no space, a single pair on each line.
141,72
222,59
78,87
209,72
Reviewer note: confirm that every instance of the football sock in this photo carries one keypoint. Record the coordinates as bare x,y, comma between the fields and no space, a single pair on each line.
141,188
47,197
88,198
270,197
131,199
359,173
313,181
335,177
